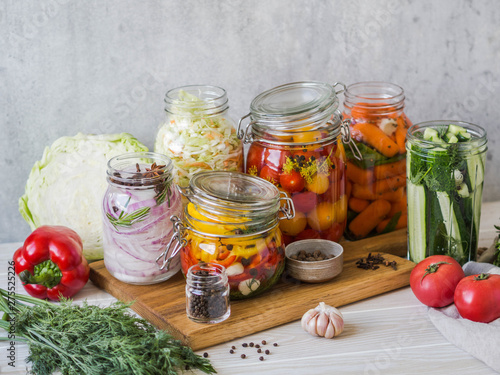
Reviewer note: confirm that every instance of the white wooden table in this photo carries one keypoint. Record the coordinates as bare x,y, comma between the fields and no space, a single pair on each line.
387,334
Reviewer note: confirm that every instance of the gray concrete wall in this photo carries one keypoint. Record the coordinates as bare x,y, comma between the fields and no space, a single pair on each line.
103,66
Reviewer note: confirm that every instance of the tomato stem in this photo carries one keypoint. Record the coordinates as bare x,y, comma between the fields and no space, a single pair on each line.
432,268
482,276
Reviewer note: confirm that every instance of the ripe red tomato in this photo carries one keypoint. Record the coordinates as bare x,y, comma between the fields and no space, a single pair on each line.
276,157
270,174
334,233
434,279
255,157
308,234
304,202
477,297
292,182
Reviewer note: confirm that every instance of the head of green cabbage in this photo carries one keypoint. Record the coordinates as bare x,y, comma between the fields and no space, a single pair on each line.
67,186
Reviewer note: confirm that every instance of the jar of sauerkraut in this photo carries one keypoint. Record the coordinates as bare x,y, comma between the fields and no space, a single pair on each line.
137,206
198,134
297,136
232,219
377,181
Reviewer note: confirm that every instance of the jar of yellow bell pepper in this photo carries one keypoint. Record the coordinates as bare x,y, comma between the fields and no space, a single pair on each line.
232,219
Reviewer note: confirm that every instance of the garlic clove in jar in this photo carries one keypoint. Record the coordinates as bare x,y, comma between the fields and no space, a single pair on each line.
324,320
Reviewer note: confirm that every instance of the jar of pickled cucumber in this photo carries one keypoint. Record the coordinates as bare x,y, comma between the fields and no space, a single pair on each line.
296,136
232,219
377,181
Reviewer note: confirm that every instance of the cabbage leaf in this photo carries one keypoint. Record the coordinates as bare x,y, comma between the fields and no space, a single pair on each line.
67,186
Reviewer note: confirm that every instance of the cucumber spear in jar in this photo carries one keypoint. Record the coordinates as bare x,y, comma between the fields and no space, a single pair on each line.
445,182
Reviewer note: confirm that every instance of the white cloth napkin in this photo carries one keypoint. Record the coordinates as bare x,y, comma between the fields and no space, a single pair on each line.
481,340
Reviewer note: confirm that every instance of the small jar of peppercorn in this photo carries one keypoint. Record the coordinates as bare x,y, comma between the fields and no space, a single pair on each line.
207,293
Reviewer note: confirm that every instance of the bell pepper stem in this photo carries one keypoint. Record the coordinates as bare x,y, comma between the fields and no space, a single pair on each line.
46,273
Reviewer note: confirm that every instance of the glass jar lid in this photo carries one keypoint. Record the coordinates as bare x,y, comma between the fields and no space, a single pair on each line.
297,107
305,99
222,193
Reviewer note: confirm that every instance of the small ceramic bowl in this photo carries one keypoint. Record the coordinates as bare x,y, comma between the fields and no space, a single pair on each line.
315,271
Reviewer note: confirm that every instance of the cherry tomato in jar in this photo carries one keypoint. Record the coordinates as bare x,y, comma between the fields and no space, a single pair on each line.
292,182
292,227
334,233
305,201
434,279
270,174
276,157
255,158
477,297
308,233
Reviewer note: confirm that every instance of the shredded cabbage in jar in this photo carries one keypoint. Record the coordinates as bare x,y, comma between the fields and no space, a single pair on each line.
197,142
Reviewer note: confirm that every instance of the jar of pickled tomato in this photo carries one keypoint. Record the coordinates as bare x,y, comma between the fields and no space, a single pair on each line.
232,219
377,182
198,133
296,136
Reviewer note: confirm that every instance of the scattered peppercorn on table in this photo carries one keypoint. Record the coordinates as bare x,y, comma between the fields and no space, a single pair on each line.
387,334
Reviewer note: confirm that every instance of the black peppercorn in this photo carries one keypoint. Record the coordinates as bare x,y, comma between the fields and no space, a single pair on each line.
205,354
231,351
233,347
243,356
259,350
267,351
244,344
261,358
257,346
275,344
263,342
251,344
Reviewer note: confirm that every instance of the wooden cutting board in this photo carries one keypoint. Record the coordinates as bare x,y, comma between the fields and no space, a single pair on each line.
164,304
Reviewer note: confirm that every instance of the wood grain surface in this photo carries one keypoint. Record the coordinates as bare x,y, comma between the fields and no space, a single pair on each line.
164,304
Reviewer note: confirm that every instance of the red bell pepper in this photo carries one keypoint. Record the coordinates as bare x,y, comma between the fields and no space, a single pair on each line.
51,264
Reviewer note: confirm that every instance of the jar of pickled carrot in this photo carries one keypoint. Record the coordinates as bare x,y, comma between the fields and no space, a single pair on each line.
232,219
377,182
296,144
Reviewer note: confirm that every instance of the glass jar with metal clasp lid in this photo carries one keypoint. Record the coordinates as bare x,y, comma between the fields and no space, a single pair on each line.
297,136
378,181
232,219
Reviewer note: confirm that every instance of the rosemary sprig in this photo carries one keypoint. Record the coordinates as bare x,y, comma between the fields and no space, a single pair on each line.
92,340
127,220
164,193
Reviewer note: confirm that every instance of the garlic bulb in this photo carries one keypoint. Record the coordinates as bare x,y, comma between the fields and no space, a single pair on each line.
325,321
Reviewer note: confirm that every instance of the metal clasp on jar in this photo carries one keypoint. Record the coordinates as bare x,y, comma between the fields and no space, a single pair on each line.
246,134
288,209
345,130
178,241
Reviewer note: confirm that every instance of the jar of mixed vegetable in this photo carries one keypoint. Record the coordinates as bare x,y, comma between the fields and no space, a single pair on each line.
445,186
137,206
377,181
296,144
232,220
198,134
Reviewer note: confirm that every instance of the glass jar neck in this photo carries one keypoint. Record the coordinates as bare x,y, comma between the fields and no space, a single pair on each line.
196,101
206,223
206,275
139,170
382,97
476,145
296,108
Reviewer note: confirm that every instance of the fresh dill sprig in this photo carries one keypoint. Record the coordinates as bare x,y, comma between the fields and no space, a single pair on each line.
90,340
